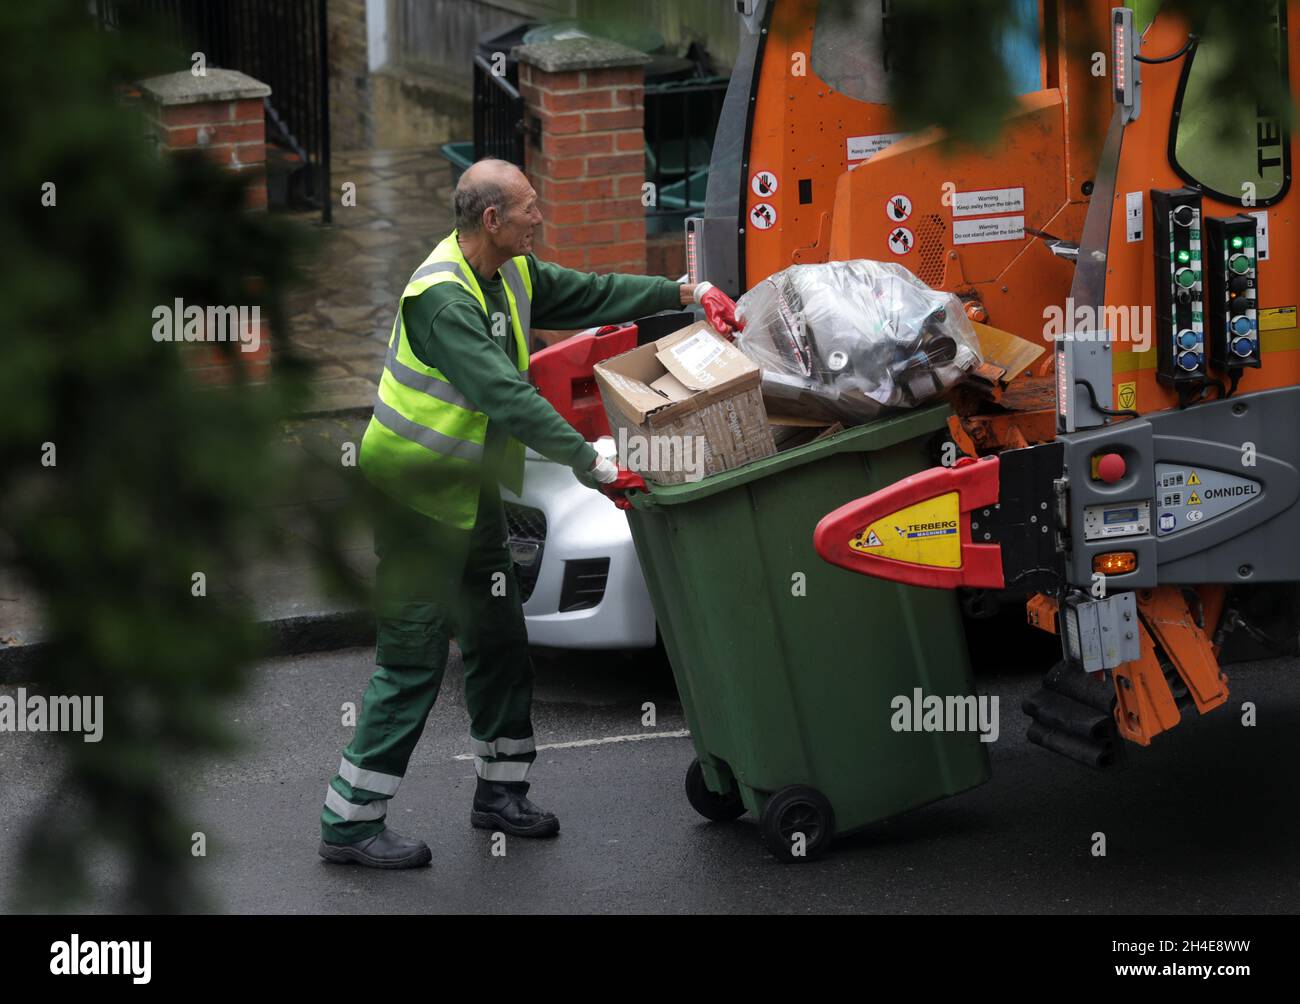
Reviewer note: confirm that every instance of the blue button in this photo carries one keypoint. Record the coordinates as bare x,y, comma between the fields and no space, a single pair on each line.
1243,346
1242,325
1189,360
1187,340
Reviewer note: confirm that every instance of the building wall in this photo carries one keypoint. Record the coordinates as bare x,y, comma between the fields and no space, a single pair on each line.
351,97
422,94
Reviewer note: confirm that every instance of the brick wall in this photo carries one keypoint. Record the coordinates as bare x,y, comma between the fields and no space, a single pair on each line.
665,254
220,115
588,164
231,133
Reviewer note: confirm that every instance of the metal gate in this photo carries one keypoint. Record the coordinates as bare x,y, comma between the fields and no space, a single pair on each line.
282,43
498,113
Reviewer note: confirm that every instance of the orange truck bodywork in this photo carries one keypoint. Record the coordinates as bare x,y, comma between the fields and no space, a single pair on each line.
1050,148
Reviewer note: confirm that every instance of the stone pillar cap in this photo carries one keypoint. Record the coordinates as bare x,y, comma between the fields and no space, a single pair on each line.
567,54
184,88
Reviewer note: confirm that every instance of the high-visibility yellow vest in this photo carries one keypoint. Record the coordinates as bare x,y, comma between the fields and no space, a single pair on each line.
424,444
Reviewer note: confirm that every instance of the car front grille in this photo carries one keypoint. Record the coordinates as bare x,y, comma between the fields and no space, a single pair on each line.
584,583
526,525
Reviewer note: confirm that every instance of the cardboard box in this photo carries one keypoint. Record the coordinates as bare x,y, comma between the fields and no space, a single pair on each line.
685,406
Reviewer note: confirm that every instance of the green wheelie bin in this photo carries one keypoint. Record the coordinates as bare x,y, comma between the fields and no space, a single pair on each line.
791,670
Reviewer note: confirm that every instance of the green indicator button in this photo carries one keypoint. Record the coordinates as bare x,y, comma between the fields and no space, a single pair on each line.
1237,242
1185,277
1239,263
1184,257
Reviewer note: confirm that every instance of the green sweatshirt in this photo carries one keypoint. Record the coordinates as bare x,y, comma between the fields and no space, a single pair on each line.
448,331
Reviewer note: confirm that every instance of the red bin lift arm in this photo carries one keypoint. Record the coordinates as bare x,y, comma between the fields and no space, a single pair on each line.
919,530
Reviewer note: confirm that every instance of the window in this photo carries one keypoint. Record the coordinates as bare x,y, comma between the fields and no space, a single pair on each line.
1221,139
850,49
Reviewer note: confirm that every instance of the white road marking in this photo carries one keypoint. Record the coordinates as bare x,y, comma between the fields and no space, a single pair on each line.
635,738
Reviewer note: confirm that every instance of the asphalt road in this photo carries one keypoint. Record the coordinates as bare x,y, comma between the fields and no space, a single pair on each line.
1205,821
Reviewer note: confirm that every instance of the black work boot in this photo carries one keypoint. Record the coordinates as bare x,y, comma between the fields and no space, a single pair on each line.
501,805
385,849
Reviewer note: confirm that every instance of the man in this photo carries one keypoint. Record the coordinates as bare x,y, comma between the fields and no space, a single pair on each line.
452,417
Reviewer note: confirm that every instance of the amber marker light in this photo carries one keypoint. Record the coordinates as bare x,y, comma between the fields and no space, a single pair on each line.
1115,563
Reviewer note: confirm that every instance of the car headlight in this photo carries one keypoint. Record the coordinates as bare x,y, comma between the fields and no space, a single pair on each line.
524,553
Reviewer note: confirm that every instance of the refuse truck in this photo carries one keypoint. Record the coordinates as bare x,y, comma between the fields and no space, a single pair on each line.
802,683
1130,487
1160,505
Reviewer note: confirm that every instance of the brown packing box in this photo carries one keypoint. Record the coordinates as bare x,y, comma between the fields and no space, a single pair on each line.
691,387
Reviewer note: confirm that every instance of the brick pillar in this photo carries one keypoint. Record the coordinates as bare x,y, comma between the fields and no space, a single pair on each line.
221,115
585,100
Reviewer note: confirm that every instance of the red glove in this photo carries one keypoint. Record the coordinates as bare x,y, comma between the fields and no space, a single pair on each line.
719,309
618,488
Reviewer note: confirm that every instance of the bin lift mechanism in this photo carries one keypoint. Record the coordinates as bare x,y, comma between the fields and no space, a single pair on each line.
1127,533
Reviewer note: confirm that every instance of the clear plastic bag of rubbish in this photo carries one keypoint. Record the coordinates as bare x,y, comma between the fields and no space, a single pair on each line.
847,340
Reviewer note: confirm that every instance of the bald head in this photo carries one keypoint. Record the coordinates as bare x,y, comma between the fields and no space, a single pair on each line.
487,184
496,213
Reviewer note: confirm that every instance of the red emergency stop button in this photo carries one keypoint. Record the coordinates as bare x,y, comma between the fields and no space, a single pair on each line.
1111,468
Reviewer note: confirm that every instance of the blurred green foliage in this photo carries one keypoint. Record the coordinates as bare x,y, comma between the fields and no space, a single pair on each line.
947,67
156,476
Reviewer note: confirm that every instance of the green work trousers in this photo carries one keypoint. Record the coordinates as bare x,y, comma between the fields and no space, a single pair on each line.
434,581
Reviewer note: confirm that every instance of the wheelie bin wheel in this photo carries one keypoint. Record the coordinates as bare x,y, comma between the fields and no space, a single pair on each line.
796,810
719,808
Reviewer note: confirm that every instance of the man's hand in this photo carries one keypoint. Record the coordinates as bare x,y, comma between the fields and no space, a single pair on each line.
623,482
613,481
719,308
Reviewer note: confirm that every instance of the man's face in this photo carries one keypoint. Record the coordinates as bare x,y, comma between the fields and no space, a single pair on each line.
518,219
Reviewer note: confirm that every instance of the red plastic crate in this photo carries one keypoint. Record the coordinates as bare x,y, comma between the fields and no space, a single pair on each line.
564,374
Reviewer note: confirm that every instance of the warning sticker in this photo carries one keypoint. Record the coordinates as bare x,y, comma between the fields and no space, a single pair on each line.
1192,479
926,533
763,183
1133,216
1193,499
762,216
1128,395
997,228
992,200
898,208
901,240
1277,318
862,148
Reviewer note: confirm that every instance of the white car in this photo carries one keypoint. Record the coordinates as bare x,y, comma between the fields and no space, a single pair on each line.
577,569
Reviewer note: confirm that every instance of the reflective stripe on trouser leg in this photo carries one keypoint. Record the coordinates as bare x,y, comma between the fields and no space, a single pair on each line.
419,569
501,770
349,811
494,645
503,759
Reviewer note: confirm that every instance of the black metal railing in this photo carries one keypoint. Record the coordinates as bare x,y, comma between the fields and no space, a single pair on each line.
282,43
498,113
681,117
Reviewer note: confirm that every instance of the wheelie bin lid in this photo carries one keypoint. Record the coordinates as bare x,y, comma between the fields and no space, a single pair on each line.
878,435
